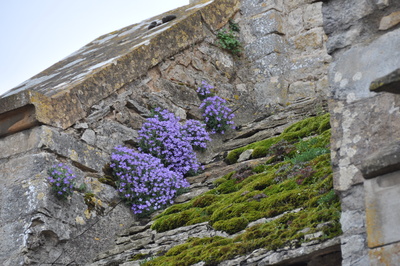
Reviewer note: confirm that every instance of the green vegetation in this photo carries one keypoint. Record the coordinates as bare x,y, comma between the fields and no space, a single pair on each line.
228,39
307,127
296,176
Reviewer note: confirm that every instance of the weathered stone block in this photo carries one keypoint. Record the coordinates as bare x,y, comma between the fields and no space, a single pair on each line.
382,3
387,255
293,4
353,249
309,41
308,67
271,92
343,39
110,134
351,75
254,7
217,13
382,209
45,137
267,23
382,161
313,16
269,66
343,13
89,137
390,21
272,43
295,23
301,89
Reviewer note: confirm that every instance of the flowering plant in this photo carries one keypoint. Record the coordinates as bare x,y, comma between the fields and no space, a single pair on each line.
205,90
217,115
165,138
196,134
61,179
143,181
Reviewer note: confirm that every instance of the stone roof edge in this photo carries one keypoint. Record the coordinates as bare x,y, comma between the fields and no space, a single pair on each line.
72,104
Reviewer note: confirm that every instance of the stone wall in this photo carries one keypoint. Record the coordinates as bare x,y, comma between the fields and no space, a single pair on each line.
79,109
364,41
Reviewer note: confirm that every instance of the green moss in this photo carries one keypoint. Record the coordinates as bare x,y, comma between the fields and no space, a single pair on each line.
266,191
231,226
205,200
233,156
259,152
307,127
301,129
138,256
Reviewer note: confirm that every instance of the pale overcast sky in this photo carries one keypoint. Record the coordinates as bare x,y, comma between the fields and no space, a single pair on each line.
35,34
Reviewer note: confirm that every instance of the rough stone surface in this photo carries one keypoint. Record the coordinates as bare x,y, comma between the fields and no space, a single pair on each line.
386,160
363,42
390,21
353,73
380,209
389,83
103,93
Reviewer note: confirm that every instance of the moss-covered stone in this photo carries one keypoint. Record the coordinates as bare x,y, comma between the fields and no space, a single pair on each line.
307,127
269,190
231,226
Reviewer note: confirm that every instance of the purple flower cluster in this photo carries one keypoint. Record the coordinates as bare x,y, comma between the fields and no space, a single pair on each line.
61,179
205,90
164,137
196,134
143,181
217,116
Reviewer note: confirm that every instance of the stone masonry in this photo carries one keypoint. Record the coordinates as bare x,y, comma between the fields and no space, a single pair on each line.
365,45
80,108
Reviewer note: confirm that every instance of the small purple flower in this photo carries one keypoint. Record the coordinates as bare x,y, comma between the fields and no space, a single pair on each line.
205,90
151,184
61,179
165,138
216,114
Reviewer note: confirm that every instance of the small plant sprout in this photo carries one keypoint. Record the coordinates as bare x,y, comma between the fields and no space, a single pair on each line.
61,179
228,39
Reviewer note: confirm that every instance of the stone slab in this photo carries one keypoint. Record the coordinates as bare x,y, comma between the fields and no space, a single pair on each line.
387,255
267,23
351,75
64,93
383,161
48,138
254,7
390,21
389,83
357,133
383,209
272,43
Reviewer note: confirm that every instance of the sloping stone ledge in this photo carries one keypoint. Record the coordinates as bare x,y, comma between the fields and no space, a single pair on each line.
59,101
62,144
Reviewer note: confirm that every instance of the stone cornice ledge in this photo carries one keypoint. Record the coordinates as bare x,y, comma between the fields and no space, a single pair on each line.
64,93
385,160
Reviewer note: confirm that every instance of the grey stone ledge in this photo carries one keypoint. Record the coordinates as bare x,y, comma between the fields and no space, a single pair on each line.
389,83
384,161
